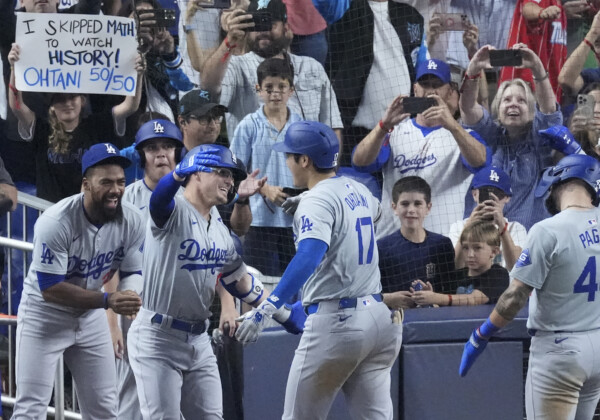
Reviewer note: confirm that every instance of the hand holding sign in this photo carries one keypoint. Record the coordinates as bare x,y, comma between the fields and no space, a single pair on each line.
75,53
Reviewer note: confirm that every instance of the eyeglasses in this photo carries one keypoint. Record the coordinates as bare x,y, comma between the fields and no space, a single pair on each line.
223,172
206,120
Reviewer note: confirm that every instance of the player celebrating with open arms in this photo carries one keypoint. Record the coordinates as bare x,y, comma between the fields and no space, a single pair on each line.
186,248
559,264
349,340
78,244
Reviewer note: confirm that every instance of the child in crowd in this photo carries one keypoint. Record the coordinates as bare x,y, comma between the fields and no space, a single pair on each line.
269,244
491,189
481,281
413,252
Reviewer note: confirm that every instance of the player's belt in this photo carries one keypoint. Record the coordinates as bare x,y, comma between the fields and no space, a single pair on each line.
177,324
344,303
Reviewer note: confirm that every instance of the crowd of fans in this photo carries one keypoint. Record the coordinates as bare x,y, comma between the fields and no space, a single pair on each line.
455,168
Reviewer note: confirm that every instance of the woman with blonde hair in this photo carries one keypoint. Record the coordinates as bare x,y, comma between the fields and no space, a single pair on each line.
512,130
61,139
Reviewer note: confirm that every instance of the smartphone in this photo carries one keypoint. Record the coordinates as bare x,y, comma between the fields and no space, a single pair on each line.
585,106
163,18
262,22
414,105
484,194
215,4
293,192
506,58
453,22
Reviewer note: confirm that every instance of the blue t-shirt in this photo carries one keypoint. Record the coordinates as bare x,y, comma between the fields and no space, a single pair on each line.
402,261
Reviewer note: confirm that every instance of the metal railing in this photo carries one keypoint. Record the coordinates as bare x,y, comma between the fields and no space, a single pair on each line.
28,203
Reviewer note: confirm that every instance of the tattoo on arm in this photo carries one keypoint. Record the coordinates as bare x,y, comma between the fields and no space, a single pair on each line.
513,300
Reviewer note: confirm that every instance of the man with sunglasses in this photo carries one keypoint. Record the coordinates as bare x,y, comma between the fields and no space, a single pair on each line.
491,189
431,145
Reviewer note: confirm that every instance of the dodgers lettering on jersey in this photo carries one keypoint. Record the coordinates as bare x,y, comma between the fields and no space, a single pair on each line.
212,258
82,268
342,213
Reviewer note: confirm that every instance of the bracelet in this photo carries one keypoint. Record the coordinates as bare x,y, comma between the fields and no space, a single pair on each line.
389,130
505,229
589,44
540,14
449,300
105,300
229,48
541,79
467,77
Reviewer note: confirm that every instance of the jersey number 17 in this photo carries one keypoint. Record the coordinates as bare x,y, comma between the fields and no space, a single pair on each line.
366,224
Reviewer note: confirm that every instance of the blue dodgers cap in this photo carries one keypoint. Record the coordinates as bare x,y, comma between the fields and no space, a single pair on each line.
314,139
435,67
492,176
103,153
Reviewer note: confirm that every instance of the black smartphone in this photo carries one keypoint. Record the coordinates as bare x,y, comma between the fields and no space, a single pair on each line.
215,4
414,105
506,58
163,18
293,192
484,194
262,22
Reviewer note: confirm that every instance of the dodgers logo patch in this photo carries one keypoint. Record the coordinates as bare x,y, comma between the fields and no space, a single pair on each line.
524,259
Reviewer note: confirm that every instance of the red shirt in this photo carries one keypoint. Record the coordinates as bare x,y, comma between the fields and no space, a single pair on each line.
548,39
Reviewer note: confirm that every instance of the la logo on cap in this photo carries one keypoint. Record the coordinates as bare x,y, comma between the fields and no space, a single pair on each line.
110,149
158,127
432,65
494,176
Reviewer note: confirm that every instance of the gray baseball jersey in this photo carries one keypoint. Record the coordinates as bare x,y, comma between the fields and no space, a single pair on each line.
66,243
139,194
360,339
342,213
559,262
182,261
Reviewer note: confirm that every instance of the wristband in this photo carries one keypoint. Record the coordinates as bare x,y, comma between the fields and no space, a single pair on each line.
229,48
105,300
504,230
389,130
449,300
541,79
467,77
243,201
487,329
589,44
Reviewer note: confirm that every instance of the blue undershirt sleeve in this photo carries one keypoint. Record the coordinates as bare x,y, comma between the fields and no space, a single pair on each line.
309,255
161,200
46,280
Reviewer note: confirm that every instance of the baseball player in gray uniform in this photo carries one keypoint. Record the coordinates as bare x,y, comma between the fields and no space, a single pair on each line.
350,340
158,143
79,243
186,248
558,264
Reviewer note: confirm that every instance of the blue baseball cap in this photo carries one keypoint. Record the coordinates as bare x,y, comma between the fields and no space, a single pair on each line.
105,153
492,176
435,67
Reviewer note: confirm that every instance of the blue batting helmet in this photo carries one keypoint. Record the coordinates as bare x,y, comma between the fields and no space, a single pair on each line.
228,160
314,139
581,167
158,129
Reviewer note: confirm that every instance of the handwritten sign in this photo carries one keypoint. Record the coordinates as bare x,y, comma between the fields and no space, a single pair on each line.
76,53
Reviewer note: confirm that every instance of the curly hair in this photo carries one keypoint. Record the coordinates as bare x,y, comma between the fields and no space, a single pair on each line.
59,140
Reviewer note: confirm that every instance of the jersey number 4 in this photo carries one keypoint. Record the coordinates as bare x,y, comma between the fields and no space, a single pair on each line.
591,287
360,222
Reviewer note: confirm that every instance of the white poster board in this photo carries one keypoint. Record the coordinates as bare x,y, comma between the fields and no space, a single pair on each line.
76,53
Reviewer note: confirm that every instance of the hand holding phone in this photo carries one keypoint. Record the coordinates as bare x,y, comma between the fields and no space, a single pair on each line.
452,22
414,105
263,22
585,106
506,58
157,18
484,194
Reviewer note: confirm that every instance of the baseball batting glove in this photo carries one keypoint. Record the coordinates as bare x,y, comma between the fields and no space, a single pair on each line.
200,162
476,345
560,138
253,322
291,317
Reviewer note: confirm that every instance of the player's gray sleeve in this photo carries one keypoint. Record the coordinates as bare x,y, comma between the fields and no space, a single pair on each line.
51,246
314,219
534,263
132,261
234,267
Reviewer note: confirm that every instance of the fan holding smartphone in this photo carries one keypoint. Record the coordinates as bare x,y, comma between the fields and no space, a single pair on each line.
431,145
